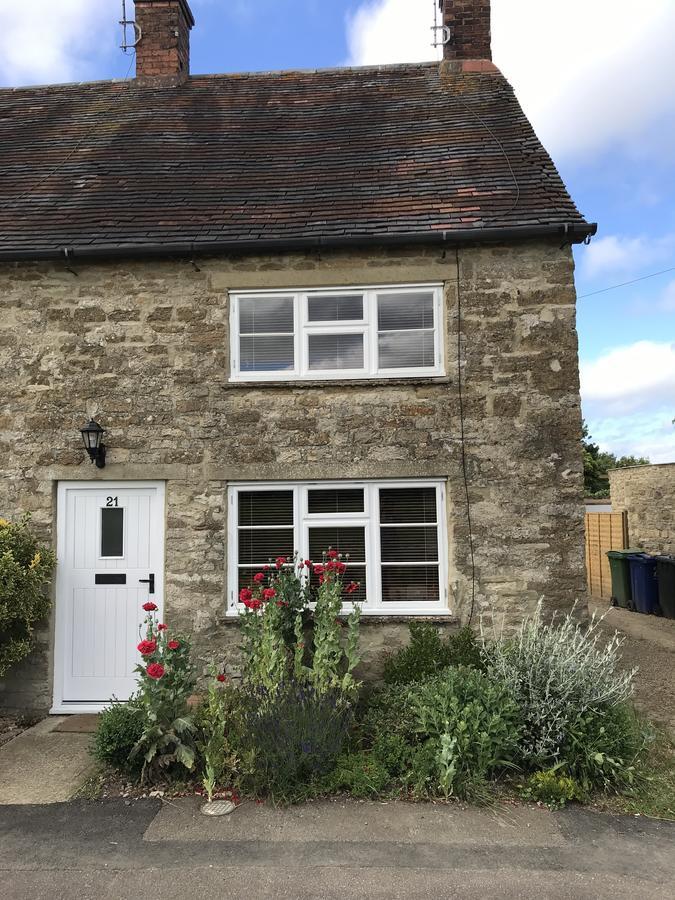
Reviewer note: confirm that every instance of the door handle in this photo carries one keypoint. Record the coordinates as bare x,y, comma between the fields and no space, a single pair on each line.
150,581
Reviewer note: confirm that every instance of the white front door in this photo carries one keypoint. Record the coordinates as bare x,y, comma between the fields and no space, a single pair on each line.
110,561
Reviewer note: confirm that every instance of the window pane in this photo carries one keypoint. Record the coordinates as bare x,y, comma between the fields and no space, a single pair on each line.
344,540
335,309
403,505
266,315
410,584
406,349
265,508
274,353
396,312
409,543
336,501
353,573
258,546
112,531
336,351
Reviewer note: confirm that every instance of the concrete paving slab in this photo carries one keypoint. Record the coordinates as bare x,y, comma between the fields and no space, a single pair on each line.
86,723
42,765
351,821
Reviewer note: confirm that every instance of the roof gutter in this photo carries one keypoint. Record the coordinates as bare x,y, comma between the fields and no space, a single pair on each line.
570,234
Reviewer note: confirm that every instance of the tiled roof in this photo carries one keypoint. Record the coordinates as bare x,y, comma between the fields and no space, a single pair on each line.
288,157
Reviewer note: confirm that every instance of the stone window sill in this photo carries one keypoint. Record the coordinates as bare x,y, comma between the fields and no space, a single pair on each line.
375,618
329,383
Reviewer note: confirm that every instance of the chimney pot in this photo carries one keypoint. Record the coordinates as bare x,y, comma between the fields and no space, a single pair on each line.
163,51
469,24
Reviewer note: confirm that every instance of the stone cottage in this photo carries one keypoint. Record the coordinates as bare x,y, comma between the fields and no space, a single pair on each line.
309,309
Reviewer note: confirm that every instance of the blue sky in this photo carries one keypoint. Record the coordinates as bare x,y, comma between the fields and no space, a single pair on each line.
596,77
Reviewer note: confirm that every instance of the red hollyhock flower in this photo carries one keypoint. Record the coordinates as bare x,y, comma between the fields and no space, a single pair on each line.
147,648
259,577
149,606
341,567
281,603
352,587
268,593
220,677
252,604
318,569
245,595
308,563
332,554
162,627
155,670
266,568
173,645
321,579
280,561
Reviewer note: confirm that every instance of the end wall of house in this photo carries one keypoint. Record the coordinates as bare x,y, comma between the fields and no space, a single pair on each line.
647,494
144,346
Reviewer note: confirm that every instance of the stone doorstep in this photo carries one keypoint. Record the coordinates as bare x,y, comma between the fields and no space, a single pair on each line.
83,723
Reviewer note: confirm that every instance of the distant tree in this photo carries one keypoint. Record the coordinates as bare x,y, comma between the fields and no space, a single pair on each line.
597,464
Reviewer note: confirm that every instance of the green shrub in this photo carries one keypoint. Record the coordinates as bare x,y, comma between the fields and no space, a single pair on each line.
213,722
360,774
292,735
119,728
427,653
603,747
551,788
556,672
25,571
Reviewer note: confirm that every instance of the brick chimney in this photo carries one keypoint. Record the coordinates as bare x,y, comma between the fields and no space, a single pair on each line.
469,24
163,50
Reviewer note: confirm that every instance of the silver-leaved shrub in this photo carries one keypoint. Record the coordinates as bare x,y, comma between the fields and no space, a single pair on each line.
556,671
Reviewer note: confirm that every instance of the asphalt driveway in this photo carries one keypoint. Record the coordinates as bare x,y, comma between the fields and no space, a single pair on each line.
111,850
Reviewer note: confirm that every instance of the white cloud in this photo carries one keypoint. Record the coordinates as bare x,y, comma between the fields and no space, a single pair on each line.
589,74
645,435
638,378
622,255
50,41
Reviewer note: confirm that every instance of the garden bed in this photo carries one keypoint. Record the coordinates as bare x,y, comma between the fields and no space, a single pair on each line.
12,726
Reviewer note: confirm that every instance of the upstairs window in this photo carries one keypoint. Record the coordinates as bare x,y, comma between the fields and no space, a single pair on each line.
351,333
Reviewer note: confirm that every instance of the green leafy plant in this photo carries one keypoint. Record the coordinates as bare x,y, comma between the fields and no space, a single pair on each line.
211,724
551,788
166,680
26,568
361,774
118,729
427,653
556,672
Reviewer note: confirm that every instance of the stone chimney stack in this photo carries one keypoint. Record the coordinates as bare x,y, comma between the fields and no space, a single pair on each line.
163,50
469,24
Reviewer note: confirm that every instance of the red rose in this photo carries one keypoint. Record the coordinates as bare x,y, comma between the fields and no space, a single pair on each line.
280,561
173,645
220,677
155,670
245,594
149,606
259,577
162,627
147,648
318,569
268,593
333,554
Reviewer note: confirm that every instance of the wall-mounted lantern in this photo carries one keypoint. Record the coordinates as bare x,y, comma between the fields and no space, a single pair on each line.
92,436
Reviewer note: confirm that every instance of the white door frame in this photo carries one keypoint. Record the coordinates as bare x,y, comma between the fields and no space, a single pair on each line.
60,616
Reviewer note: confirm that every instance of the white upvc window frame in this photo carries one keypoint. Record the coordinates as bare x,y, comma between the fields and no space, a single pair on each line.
369,518
368,326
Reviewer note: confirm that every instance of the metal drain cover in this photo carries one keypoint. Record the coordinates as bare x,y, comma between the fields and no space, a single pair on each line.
218,808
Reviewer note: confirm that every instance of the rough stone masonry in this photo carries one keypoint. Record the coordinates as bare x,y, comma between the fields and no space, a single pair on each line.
143,346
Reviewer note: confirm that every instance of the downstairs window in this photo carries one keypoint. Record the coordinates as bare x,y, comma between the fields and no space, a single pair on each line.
393,531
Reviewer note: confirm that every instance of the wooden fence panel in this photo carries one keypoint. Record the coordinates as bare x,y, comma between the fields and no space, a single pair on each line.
604,531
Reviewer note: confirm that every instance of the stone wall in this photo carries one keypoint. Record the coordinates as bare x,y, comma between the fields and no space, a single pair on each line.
143,346
647,494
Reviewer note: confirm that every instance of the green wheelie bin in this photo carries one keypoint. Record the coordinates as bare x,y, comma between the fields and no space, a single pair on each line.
622,592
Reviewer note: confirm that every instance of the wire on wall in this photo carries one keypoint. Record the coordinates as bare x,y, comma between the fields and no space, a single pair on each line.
460,393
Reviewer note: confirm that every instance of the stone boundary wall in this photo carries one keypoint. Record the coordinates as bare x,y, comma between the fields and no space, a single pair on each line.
647,494
143,346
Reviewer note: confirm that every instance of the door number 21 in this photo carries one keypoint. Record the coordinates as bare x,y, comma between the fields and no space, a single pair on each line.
111,501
